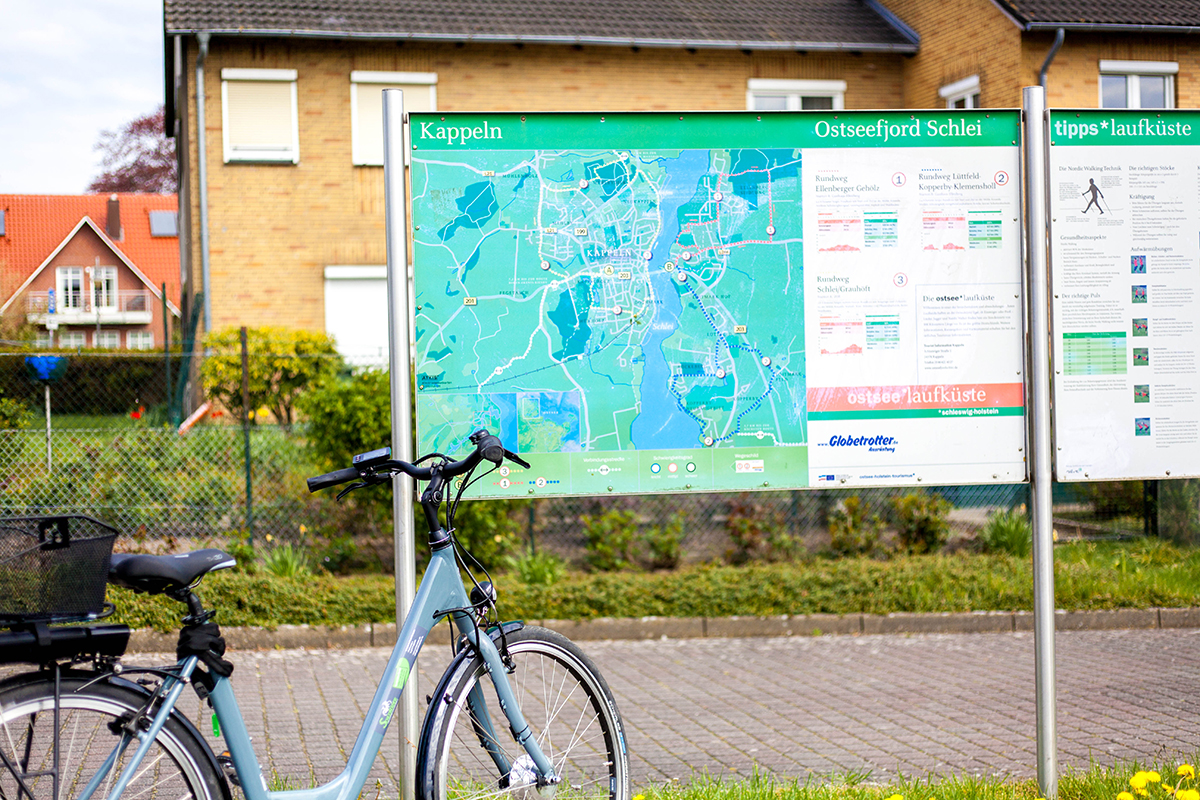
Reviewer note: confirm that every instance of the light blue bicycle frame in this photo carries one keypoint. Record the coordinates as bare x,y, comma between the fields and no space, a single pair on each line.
441,589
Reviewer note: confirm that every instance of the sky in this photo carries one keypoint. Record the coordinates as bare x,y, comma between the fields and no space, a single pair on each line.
70,69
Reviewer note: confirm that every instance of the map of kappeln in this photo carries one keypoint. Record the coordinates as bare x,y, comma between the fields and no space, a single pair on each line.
581,300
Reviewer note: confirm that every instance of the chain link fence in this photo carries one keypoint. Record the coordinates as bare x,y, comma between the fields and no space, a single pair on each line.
102,439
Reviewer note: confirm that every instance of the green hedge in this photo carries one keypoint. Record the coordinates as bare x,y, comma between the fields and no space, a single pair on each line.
93,383
1088,576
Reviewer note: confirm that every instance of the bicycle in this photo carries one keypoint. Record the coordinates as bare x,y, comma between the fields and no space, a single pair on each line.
564,739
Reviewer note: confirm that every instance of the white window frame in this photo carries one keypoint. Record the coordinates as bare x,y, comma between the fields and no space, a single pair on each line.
139,340
107,340
361,153
101,276
288,154
795,90
1133,88
76,339
965,89
61,276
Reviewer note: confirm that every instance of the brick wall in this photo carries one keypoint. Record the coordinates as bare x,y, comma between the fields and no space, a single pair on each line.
961,38
1073,80
273,228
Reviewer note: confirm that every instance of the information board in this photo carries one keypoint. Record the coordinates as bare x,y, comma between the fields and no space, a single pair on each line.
659,302
1125,278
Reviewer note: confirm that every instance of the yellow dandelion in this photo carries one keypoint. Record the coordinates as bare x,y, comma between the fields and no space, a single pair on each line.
1188,794
896,797
1153,777
304,529
270,538
1186,771
498,537
1124,796
1168,788
1139,780
639,797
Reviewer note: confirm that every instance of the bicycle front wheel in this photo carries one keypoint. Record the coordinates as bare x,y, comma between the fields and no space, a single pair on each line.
568,707
92,722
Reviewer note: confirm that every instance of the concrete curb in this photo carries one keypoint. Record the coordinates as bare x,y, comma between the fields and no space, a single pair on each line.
381,634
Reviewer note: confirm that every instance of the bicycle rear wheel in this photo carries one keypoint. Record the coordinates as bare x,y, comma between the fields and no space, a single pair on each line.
90,728
568,707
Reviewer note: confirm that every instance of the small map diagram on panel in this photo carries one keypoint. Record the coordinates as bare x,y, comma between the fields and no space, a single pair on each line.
581,300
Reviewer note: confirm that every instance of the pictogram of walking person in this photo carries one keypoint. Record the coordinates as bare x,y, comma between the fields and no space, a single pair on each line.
1096,194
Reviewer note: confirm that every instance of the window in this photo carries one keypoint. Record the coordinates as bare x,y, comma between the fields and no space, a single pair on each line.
1137,84
104,288
366,107
72,339
1,221
139,340
69,283
163,223
108,340
261,119
788,95
962,94
43,340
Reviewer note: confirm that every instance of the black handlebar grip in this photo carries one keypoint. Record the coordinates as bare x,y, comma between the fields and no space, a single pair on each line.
332,479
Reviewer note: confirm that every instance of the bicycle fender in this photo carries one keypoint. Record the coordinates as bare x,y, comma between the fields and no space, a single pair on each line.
184,722
423,790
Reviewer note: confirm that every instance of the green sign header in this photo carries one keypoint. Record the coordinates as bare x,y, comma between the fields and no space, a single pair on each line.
701,130
1112,127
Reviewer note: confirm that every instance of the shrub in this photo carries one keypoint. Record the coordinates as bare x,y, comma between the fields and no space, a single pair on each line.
757,530
921,525
664,545
347,416
540,569
1179,510
1007,532
1115,498
286,561
282,364
853,528
13,414
610,540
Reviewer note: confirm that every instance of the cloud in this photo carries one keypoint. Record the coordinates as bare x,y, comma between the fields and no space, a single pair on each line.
68,70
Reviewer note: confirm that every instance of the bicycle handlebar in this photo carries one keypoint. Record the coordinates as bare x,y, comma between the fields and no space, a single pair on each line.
368,465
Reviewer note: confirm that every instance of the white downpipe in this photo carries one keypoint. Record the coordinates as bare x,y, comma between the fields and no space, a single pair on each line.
203,38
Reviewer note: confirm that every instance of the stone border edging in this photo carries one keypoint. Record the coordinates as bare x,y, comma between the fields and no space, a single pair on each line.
384,634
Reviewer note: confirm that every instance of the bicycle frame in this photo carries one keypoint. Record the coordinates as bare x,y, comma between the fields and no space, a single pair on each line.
441,589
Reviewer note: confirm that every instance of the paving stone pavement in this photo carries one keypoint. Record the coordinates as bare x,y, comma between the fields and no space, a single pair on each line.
917,705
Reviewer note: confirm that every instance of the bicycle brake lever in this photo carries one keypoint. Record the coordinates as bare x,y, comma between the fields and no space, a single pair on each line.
351,488
516,458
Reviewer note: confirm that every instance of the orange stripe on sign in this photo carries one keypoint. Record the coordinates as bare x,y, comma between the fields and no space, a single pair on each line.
941,395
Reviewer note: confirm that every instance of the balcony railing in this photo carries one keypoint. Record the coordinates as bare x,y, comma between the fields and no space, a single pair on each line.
130,306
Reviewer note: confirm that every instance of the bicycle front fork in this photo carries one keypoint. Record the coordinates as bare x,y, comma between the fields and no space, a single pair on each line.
481,720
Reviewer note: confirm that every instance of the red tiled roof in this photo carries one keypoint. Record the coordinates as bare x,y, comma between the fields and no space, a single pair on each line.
34,225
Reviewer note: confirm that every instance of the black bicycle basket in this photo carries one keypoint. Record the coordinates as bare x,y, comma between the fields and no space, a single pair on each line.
53,568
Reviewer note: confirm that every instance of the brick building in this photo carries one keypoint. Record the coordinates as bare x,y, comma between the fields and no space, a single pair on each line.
284,202
1112,54
292,113
88,270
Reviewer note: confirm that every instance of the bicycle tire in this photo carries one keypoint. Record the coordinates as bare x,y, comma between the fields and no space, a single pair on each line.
178,766
568,706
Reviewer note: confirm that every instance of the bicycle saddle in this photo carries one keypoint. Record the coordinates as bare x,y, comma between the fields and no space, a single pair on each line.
160,574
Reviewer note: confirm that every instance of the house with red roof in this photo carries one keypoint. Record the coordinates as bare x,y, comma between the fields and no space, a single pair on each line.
89,270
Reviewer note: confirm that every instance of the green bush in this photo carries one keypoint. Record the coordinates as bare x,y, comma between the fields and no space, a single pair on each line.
283,364
346,416
540,569
610,540
1115,498
1179,510
286,561
1007,532
854,528
13,414
95,383
758,531
921,525
664,544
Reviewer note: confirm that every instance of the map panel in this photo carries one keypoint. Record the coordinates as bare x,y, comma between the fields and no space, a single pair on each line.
720,301
594,301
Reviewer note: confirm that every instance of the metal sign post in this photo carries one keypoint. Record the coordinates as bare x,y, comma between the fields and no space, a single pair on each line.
402,403
1040,473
